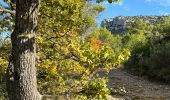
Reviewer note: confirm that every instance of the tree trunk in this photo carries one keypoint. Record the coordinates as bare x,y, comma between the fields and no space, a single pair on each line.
21,73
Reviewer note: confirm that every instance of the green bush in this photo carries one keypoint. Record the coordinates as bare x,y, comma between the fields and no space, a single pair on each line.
150,49
96,88
159,63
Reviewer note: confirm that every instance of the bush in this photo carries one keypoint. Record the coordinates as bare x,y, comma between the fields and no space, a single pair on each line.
159,63
150,50
96,88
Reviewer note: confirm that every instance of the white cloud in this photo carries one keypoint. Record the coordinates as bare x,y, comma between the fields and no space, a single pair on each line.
166,14
165,3
120,3
163,12
126,8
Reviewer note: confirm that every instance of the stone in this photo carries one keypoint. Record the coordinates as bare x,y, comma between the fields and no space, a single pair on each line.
119,24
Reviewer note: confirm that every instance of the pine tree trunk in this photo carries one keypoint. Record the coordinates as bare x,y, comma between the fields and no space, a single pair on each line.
21,73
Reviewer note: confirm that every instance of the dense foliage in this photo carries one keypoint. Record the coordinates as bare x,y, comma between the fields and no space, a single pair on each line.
74,56
70,56
149,44
72,51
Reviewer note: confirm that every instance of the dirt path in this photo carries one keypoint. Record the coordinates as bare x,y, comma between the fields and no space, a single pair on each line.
129,87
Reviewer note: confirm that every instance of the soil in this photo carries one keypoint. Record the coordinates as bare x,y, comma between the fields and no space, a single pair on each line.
125,86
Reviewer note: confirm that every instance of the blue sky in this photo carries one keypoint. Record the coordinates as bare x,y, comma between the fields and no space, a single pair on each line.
4,4
135,7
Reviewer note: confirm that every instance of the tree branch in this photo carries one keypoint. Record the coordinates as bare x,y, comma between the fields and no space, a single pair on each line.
7,11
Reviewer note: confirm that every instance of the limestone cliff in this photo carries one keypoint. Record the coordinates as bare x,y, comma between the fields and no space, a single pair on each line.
119,24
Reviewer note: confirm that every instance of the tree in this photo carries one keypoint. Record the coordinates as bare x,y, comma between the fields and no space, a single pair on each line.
21,73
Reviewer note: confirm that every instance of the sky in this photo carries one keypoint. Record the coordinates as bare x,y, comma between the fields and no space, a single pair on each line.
134,8
4,4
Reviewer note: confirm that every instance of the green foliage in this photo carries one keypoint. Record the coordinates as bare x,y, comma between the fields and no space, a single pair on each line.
64,15
97,9
66,63
74,63
4,49
160,63
114,42
149,45
96,88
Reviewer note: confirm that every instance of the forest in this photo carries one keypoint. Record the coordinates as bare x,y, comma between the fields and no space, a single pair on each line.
54,50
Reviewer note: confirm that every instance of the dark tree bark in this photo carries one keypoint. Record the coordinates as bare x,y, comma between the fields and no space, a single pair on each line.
21,73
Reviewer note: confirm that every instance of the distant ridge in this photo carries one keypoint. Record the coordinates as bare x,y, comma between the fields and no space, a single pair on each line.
119,24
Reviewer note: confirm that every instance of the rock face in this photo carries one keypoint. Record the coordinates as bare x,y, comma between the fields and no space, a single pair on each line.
119,24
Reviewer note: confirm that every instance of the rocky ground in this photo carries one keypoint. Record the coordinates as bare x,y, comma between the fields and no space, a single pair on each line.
125,86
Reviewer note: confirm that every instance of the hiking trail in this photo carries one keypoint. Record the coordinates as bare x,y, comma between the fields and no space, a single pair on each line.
125,86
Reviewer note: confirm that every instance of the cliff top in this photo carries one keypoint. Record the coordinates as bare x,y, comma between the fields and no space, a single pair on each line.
118,24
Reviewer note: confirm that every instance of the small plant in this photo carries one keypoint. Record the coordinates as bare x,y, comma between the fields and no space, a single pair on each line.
96,88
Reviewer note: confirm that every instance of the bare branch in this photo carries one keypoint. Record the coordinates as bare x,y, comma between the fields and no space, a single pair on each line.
7,11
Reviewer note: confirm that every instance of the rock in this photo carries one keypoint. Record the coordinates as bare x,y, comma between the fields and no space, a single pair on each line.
119,24
115,98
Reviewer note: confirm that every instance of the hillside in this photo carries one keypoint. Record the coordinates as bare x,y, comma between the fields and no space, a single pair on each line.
119,24
145,76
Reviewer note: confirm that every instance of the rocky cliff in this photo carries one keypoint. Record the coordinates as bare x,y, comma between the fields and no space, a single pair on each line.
119,24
